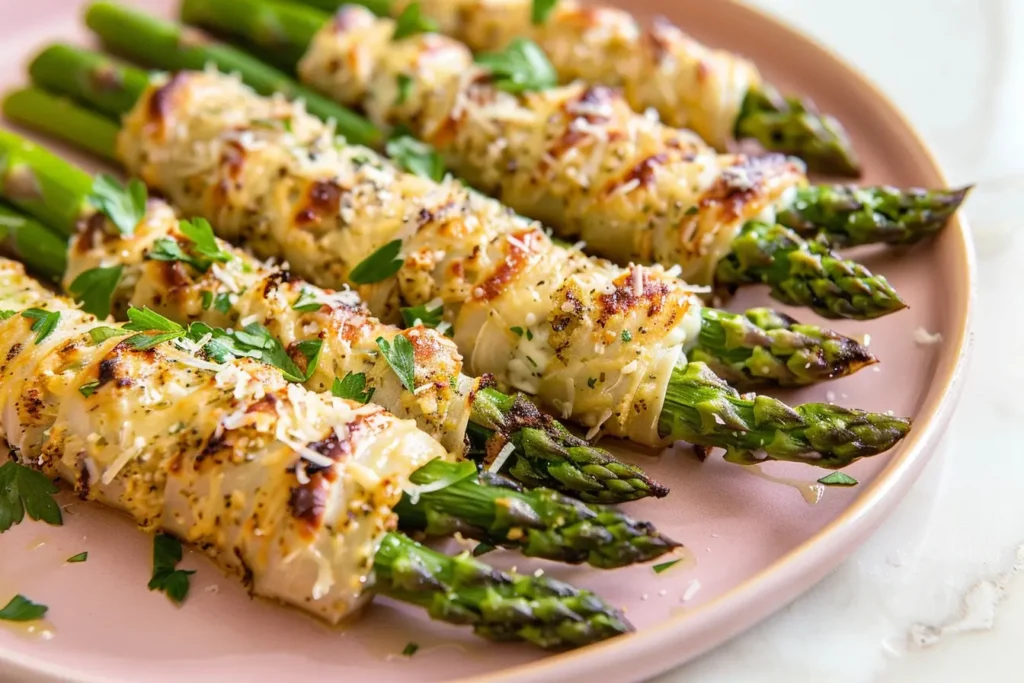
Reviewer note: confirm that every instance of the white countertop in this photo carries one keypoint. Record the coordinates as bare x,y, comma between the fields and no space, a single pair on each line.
933,595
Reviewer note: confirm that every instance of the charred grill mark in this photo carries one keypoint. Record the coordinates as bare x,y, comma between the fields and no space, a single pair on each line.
562,319
516,260
643,173
308,502
108,370
32,404
323,201
83,480
742,182
13,352
624,298
273,281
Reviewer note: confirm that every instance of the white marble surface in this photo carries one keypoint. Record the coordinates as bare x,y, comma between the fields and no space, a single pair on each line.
933,595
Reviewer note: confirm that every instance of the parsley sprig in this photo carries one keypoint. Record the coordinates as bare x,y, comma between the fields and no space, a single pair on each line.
353,388
124,205
414,156
428,317
201,249
21,608
378,266
95,289
520,67
45,322
401,356
24,490
166,576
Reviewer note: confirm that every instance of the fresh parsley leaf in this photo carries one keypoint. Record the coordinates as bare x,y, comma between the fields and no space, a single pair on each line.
45,322
95,289
21,608
402,358
201,248
421,315
838,479
255,341
627,336
439,474
125,206
307,302
24,490
404,83
415,157
207,299
664,566
310,350
80,557
521,67
102,334
411,648
353,387
89,388
152,327
411,21
482,548
222,302
541,10
166,577
380,265
591,382
4,315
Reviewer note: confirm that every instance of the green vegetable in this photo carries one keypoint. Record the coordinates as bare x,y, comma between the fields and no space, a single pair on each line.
95,289
24,490
520,67
410,649
21,608
402,359
541,10
125,206
166,576
4,315
89,388
421,315
378,266
838,479
415,157
307,302
411,22
201,250
45,322
404,82
353,387
102,334
80,557
664,566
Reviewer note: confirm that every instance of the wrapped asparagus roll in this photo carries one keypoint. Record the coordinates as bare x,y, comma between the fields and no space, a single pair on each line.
602,344
291,491
718,94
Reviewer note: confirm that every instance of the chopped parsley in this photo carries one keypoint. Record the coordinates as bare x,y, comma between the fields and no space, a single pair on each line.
222,302
21,608
402,358
521,67
102,334
166,576
627,336
404,83
411,648
422,315
80,557
378,266
201,249
4,315
411,22
592,382
838,479
45,322
255,341
664,566
124,205
152,327
541,10
482,548
353,387
24,490
207,299
89,388
415,157
307,302
95,289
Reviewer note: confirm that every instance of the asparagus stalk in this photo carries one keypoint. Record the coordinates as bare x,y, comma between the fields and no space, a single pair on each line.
686,425
702,409
851,216
538,523
806,273
794,126
283,31
27,238
502,606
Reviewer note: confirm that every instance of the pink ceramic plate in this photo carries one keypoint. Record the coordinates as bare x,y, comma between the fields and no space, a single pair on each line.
757,544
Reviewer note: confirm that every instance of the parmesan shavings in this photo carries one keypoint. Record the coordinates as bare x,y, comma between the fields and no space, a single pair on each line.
503,455
923,337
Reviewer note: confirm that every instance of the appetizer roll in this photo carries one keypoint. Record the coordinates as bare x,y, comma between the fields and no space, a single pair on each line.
288,489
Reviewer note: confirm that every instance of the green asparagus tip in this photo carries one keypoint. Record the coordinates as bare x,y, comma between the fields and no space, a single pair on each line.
794,126
850,216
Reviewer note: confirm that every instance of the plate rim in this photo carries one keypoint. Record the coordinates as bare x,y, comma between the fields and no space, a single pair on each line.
657,649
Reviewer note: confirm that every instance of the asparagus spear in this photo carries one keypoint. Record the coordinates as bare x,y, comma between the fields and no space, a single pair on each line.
678,423
851,216
27,237
283,31
498,605
805,273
